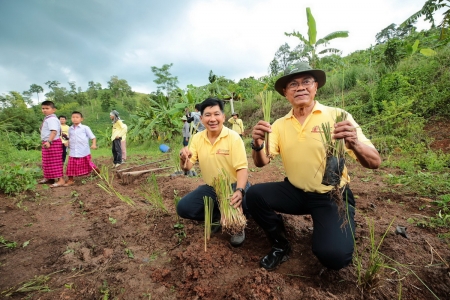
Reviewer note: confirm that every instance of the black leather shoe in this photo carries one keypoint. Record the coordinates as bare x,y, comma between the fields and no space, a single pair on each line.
276,256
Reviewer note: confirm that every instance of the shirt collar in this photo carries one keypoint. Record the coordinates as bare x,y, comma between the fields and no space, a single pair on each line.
317,108
223,133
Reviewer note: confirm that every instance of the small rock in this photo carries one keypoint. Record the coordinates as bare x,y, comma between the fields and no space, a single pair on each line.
108,252
401,230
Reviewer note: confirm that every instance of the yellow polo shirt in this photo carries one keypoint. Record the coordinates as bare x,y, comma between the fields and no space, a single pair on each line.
119,129
302,150
237,125
227,153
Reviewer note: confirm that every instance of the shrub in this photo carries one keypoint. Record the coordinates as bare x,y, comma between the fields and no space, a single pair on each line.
15,178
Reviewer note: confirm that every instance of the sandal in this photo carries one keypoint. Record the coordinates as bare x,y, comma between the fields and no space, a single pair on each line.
45,180
55,185
68,184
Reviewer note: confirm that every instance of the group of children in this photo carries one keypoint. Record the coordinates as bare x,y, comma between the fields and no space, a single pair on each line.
57,137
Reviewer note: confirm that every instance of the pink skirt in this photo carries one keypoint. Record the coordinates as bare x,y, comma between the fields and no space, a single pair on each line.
52,164
79,166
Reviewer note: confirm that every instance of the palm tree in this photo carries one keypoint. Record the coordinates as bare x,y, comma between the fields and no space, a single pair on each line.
34,88
311,44
428,10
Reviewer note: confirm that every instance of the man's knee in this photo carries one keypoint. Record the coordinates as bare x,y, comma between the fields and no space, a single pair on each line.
334,259
183,209
252,195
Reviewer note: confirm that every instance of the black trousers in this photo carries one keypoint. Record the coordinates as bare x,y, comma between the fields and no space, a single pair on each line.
64,154
192,206
117,150
331,243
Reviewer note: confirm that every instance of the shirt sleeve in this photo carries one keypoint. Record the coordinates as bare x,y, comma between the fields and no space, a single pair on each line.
89,133
53,124
274,138
361,137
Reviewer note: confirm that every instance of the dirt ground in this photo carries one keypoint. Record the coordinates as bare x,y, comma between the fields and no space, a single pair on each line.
94,246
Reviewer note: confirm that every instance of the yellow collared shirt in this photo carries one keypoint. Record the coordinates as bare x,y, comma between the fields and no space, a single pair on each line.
119,129
302,150
227,153
237,125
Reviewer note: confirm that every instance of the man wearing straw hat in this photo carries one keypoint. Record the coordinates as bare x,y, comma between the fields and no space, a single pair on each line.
298,138
216,148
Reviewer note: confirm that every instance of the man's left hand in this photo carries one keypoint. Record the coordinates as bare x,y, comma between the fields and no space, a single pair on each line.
347,131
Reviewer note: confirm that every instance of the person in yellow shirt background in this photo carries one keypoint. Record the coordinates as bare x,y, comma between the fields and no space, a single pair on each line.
118,131
237,124
64,136
123,143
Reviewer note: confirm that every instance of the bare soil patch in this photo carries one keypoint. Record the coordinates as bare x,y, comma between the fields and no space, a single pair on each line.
84,238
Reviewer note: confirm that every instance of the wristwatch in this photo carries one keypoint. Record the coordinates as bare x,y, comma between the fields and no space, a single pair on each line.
242,191
257,149
50,142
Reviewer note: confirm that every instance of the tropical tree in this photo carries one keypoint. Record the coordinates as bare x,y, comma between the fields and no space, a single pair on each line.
428,10
164,79
311,44
34,88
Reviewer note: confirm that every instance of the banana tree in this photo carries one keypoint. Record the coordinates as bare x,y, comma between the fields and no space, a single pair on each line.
311,44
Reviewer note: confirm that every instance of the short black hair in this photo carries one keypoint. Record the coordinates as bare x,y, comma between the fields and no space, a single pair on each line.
77,113
197,106
48,103
211,102
62,117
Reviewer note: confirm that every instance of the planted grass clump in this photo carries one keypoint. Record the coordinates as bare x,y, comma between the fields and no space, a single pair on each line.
232,219
209,207
266,99
150,191
334,161
108,187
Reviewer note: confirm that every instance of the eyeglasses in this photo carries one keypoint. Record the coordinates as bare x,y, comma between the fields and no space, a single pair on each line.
305,83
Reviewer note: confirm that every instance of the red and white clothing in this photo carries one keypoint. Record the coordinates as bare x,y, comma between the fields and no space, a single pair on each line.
52,165
80,161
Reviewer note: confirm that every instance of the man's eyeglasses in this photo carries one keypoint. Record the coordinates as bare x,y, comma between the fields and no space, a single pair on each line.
305,83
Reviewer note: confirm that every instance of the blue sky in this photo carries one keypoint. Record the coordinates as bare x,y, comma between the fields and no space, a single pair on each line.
84,40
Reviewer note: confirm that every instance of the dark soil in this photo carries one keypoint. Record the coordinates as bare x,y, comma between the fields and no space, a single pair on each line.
82,238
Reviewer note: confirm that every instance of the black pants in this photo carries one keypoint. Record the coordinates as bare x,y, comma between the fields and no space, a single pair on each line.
117,150
192,206
331,244
64,154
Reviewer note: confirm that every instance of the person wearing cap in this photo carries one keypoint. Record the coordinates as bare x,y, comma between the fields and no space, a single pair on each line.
236,123
195,117
217,149
297,138
186,131
118,131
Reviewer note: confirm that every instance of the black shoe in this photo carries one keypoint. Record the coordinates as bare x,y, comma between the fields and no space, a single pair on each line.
280,247
276,256
216,227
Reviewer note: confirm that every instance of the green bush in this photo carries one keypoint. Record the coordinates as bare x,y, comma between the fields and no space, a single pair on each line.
16,178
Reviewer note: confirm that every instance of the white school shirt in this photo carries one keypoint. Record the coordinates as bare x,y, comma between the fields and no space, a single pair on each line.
79,137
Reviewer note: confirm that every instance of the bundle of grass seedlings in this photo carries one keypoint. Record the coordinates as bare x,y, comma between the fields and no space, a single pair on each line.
232,220
335,153
209,207
266,99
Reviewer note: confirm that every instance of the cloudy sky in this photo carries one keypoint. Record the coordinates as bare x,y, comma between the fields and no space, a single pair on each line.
84,40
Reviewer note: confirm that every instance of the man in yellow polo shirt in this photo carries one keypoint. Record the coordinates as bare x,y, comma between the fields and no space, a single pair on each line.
216,148
236,123
297,138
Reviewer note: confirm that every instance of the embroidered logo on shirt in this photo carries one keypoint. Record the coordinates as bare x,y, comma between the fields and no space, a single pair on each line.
223,152
316,129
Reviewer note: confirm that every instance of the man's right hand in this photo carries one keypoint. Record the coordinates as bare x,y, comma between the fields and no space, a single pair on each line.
185,153
258,133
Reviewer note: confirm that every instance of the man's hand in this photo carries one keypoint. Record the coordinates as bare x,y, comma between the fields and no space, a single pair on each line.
236,200
345,130
185,153
258,133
